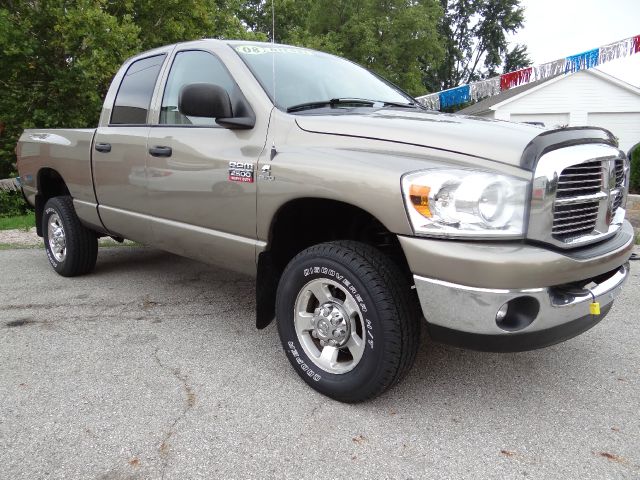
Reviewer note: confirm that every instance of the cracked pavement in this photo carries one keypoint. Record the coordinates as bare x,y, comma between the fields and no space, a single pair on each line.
151,368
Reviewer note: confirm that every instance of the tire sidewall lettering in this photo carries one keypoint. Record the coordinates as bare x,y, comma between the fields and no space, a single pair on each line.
45,232
331,270
310,372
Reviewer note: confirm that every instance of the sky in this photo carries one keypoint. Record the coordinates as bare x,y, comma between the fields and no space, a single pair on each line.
555,29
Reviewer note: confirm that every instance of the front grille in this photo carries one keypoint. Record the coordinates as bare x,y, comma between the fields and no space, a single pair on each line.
578,195
617,202
575,219
578,180
619,172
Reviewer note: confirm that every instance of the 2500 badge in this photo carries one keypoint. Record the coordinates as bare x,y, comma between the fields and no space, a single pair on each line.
241,172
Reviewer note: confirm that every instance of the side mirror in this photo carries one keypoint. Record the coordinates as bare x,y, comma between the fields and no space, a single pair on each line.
204,100
211,101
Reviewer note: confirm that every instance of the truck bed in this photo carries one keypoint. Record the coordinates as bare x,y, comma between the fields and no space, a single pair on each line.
67,151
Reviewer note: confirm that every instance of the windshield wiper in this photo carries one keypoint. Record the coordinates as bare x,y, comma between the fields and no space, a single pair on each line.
349,101
330,103
402,105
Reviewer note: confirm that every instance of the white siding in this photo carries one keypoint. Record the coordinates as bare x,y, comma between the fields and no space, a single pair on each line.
625,126
585,98
549,119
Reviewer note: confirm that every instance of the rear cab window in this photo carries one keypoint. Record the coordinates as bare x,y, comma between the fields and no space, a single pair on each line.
131,105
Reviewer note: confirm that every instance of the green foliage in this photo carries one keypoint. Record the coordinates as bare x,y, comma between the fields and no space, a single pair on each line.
634,178
474,35
21,222
12,204
57,57
394,38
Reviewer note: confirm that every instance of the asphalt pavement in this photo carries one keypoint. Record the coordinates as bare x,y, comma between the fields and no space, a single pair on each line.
151,368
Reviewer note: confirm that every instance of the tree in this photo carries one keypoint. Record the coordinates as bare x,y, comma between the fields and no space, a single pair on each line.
394,38
474,33
57,57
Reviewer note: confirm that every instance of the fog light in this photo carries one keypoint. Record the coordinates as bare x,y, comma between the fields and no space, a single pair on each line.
502,312
517,313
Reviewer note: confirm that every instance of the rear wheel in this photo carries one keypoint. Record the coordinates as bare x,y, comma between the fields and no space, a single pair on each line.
71,248
347,320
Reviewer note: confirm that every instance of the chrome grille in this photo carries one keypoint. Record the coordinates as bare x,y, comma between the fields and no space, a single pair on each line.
574,219
570,220
578,180
619,172
578,195
619,184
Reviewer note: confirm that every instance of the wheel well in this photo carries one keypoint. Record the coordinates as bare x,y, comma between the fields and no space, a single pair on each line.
302,223
50,184
305,222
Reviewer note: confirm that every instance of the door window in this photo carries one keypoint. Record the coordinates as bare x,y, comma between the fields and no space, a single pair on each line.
192,66
135,92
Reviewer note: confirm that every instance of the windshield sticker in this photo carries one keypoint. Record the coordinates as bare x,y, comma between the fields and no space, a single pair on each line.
260,50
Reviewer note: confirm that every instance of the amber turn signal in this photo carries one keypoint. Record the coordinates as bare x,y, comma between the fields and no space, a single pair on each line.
419,195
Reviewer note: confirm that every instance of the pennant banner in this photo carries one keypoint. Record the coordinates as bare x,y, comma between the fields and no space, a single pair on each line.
455,96
513,79
582,61
616,50
549,70
486,88
432,102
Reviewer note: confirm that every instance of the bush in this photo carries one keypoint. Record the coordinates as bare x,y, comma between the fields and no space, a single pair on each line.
12,204
634,179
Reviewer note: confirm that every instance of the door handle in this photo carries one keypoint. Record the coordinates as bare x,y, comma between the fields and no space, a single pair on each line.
103,147
160,151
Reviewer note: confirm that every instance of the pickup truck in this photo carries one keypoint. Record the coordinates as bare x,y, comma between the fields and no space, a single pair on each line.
362,216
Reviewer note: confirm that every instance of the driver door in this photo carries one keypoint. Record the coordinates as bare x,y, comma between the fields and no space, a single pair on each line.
200,210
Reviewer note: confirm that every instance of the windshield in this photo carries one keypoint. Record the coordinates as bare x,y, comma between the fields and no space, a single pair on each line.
306,76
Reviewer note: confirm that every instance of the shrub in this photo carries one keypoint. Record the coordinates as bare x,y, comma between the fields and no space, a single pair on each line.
634,179
12,204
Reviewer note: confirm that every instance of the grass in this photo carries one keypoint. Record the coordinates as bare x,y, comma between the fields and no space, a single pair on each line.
22,222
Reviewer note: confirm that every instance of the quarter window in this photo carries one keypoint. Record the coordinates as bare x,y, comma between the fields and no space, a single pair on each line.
135,92
192,66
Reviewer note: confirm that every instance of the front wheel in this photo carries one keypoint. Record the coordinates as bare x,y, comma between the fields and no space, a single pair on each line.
71,248
347,320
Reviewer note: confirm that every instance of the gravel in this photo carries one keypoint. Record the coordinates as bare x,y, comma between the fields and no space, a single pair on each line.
29,238
20,237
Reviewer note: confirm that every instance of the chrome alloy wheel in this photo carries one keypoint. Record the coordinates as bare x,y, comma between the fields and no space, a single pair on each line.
330,326
57,239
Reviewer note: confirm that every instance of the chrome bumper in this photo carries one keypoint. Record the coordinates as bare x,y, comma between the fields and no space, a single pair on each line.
472,310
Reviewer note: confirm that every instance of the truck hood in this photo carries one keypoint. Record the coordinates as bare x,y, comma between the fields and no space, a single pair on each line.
499,141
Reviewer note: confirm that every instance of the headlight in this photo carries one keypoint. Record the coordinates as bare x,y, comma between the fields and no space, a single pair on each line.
465,203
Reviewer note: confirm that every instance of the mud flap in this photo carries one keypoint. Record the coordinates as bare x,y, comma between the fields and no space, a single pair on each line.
266,287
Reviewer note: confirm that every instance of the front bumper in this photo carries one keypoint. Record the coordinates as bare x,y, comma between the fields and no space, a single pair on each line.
548,293
536,318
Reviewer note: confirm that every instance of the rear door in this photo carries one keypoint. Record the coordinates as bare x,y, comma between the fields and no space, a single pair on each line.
120,152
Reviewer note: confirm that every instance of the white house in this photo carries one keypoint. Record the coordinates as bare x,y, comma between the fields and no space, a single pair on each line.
587,97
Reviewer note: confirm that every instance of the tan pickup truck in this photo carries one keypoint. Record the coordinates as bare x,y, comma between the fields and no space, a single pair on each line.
357,211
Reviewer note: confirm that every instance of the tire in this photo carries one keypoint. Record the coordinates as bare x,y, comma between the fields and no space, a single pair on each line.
71,248
365,296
